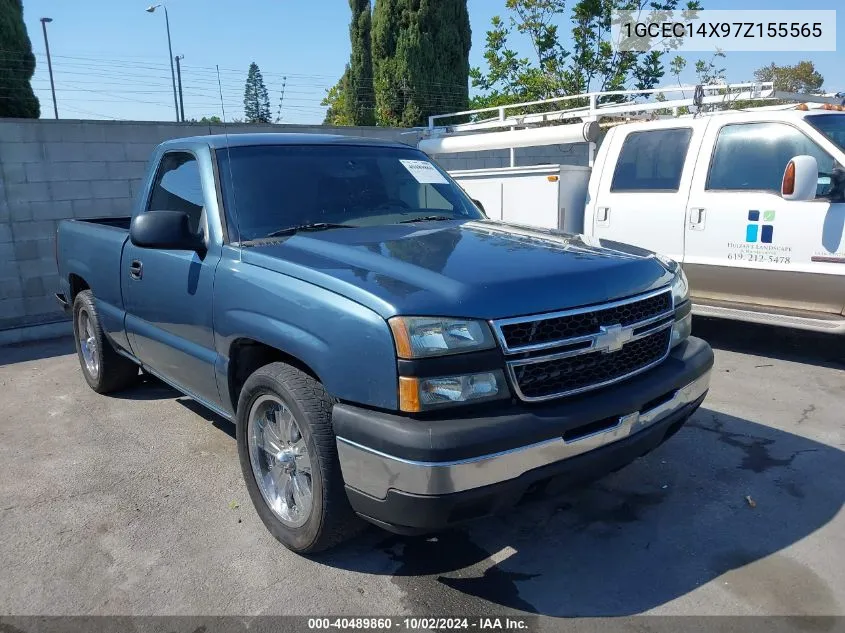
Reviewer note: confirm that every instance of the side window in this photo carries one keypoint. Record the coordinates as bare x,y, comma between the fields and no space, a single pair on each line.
652,160
178,187
752,157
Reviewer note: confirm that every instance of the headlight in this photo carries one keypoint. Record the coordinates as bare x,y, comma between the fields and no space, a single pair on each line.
419,337
682,327
422,394
680,287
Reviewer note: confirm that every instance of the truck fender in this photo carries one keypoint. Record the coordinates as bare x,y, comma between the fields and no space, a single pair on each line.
328,356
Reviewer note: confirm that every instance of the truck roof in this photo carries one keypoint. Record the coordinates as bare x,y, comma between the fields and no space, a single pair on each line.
219,141
739,116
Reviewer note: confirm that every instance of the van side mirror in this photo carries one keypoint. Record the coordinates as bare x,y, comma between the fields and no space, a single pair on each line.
479,205
165,229
800,179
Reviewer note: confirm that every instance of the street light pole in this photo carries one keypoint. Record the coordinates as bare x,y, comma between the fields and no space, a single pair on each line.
50,64
179,79
151,9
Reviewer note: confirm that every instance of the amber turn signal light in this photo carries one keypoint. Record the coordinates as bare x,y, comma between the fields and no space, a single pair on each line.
787,187
409,394
402,338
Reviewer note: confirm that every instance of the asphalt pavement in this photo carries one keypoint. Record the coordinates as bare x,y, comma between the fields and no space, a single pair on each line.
134,504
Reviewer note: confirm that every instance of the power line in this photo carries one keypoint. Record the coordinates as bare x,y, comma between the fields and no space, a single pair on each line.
141,81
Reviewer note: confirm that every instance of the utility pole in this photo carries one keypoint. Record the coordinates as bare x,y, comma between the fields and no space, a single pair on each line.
179,80
50,64
281,100
152,9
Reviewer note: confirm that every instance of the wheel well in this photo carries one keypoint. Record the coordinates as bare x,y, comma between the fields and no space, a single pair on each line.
247,355
77,285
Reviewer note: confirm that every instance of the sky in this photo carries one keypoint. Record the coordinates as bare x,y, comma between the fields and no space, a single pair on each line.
110,57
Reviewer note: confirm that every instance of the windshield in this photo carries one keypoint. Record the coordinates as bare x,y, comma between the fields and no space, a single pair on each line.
831,125
274,187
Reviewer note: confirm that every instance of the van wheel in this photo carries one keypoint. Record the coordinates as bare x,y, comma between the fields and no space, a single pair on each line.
289,459
104,369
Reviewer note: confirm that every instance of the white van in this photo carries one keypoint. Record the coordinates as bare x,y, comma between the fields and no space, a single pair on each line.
759,241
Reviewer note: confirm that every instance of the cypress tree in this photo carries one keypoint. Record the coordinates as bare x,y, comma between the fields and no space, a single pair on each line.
256,99
360,99
387,68
18,64
420,59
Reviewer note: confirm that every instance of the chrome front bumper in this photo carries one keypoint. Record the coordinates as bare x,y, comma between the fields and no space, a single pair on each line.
374,473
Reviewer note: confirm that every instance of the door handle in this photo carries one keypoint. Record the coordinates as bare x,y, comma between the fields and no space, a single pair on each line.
697,219
136,269
603,216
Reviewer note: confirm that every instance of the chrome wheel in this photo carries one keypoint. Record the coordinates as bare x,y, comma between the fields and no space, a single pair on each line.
88,344
280,460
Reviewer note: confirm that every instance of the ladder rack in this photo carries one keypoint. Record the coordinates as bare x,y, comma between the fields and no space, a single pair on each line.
641,102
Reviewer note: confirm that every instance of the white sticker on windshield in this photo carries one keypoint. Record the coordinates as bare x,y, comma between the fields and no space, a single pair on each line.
423,171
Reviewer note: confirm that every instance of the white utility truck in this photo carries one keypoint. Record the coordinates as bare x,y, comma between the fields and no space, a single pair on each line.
751,201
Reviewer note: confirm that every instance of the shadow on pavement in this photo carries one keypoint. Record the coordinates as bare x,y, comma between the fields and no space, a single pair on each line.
823,350
148,388
151,388
217,421
36,350
721,494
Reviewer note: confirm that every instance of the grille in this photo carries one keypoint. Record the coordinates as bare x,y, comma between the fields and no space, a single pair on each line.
585,371
585,323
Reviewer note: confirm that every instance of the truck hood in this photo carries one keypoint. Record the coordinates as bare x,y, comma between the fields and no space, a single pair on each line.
482,269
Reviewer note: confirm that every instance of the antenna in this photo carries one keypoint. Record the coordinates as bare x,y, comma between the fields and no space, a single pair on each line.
229,159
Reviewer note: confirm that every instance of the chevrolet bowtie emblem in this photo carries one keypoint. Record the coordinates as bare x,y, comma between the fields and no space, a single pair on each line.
611,338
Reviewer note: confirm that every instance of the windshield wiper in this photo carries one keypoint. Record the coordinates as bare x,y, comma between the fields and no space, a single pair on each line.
427,218
312,226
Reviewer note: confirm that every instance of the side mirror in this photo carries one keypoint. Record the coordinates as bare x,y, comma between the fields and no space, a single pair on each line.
165,229
800,179
479,205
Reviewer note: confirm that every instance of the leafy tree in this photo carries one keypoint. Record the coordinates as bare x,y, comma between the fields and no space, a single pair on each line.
18,64
802,77
420,59
708,72
256,100
590,64
336,98
208,119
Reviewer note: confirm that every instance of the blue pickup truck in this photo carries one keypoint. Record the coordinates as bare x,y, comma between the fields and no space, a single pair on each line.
385,351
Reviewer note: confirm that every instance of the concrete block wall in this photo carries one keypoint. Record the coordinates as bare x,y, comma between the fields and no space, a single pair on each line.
53,170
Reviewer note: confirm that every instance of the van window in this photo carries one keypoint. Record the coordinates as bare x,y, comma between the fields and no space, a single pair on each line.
831,125
652,160
752,157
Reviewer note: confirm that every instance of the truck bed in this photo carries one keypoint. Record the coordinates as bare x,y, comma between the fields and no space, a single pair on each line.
92,250
118,223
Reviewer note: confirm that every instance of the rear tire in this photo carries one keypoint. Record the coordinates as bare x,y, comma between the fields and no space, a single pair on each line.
288,456
103,368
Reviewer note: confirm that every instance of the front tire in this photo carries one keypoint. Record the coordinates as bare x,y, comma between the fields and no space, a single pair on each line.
289,459
103,368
